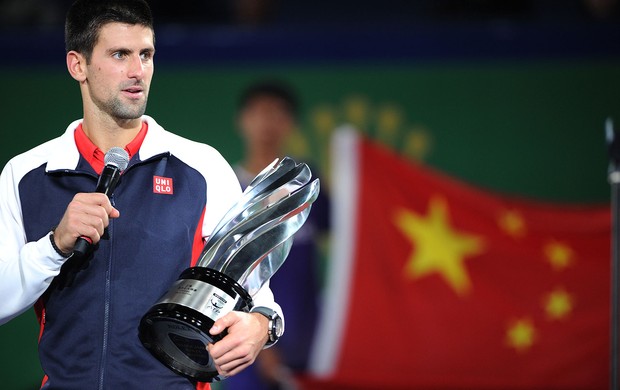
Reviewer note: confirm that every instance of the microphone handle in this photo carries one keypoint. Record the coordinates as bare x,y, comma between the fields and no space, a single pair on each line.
106,184
108,180
82,246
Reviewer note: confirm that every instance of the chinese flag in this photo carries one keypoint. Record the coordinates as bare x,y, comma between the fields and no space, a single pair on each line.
434,284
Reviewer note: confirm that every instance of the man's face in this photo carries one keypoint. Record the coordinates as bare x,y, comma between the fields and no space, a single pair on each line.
120,70
266,121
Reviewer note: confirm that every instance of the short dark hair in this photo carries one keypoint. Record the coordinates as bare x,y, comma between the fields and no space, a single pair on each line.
86,18
271,88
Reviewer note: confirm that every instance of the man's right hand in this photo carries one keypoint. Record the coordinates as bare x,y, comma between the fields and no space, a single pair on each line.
88,214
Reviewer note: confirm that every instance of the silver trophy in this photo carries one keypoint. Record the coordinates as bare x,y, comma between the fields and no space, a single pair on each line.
247,247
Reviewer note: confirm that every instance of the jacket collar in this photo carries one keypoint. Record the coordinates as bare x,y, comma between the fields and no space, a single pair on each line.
66,156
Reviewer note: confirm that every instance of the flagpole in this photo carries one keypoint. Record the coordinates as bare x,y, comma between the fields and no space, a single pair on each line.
613,145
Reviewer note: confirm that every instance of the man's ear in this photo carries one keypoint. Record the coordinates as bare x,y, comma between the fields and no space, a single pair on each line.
76,64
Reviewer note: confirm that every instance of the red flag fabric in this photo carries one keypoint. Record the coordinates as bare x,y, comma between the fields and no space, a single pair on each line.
435,284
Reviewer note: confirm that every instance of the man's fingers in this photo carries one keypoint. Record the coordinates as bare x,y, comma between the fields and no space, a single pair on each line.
232,361
87,220
224,322
234,367
97,199
114,213
239,348
87,215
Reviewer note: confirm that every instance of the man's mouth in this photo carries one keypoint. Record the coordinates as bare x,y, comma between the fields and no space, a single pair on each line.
134,92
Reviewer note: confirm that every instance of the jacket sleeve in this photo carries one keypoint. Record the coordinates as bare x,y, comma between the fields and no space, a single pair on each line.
26,268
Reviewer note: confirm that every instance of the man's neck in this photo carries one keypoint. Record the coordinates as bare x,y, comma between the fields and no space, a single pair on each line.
108,134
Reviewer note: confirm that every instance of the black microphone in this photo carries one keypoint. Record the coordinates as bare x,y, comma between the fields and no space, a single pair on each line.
115,160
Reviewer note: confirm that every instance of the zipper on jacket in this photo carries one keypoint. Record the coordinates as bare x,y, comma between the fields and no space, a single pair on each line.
106,308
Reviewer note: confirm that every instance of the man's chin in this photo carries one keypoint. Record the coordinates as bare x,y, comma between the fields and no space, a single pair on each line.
130,114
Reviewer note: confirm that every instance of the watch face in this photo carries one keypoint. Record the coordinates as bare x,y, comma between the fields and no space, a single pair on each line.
279,326
276,325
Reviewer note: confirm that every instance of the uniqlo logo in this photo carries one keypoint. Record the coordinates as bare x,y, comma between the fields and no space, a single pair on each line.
162,185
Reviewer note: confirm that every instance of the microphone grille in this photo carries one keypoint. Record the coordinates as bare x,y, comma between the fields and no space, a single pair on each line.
118,157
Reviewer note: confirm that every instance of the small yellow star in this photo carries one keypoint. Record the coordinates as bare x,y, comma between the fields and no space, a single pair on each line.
558,304
559,255
357,111
511,221
324,120
417,143
438,248
389,119
521,335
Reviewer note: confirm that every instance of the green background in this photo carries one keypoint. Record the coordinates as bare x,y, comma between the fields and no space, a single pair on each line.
528,128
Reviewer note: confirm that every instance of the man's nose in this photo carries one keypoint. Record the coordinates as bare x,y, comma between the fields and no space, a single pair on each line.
136,67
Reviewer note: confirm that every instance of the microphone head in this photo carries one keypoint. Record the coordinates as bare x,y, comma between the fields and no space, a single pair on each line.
117,157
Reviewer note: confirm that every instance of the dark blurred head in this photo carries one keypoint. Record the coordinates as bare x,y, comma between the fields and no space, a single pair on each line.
267,114
276,90
86,18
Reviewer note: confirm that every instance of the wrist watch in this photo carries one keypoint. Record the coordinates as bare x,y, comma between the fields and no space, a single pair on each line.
275,326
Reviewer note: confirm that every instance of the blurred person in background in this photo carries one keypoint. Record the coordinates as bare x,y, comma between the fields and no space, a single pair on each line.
267,116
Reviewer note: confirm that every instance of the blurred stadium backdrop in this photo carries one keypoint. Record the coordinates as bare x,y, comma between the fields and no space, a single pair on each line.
515,108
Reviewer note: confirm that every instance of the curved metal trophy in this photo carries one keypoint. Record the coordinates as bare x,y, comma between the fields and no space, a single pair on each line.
248,246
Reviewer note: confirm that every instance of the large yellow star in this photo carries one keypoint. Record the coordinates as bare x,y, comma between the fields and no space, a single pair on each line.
438,248
521,335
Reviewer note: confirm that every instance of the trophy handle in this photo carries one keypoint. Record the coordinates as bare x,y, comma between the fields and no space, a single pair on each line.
287,176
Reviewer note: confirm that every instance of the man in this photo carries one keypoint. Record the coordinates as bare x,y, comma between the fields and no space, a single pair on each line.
267,117
143,237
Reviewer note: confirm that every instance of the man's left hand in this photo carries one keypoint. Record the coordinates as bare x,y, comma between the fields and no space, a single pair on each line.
247,335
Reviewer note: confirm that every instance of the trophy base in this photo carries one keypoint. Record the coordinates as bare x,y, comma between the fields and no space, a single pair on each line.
176,329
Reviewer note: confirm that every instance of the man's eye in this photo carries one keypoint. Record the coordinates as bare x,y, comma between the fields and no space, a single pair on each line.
118,55
146,55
